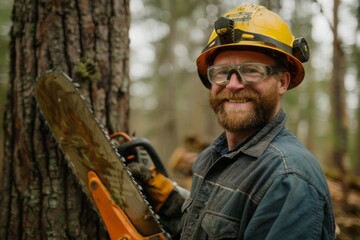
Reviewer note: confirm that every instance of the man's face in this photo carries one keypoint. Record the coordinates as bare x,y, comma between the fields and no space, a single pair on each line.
242,107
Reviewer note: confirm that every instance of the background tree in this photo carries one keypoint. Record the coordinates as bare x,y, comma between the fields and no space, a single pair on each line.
338,106
40,198
356,65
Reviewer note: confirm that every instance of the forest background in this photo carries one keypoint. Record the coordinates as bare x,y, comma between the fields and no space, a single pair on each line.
169,103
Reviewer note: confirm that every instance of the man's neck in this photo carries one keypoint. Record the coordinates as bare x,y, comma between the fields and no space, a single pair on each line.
236,138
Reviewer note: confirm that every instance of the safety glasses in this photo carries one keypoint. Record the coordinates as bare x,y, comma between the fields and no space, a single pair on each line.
249,73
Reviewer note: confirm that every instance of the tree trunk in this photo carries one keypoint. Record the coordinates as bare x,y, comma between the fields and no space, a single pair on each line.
356,170
339,116
88,40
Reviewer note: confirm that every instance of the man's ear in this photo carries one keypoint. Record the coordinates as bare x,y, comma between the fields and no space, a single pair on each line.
284,81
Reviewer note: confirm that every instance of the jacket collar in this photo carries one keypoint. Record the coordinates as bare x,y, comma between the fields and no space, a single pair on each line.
255,145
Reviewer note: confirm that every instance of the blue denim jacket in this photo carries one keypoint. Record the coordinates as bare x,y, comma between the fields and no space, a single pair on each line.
269,188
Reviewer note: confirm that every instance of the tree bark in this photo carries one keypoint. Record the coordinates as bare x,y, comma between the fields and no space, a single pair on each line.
88,40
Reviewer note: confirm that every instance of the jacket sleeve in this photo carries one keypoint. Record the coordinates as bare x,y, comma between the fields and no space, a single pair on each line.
292,208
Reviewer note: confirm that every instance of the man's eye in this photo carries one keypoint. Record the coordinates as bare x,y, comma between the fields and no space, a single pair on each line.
251,70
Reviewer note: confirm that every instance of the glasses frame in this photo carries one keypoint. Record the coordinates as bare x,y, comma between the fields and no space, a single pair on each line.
235,68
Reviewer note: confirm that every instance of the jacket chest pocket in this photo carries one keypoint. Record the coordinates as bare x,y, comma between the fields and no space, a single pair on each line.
219,226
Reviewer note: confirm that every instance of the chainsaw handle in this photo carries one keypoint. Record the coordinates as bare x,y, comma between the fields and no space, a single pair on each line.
142,142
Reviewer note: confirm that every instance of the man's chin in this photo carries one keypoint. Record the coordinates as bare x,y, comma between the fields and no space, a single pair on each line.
239,113
236,121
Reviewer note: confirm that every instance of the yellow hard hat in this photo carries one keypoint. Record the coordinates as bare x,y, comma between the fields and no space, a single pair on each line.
254,27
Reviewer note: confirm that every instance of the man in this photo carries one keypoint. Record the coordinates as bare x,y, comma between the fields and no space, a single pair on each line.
256,181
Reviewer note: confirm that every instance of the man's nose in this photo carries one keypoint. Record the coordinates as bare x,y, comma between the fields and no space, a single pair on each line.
235,81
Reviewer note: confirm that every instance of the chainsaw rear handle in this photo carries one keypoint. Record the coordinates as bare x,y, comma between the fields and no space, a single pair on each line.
142,142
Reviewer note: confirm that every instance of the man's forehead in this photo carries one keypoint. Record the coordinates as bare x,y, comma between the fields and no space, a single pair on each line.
244,55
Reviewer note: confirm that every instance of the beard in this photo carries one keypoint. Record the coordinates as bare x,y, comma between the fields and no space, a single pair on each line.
239,119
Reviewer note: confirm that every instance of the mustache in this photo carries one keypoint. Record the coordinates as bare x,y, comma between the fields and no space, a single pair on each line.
217,101
239,96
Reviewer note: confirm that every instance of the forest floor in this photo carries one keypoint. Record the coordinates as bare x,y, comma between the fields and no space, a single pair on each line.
348,222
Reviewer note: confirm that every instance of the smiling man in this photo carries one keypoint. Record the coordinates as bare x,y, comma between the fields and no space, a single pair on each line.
256,181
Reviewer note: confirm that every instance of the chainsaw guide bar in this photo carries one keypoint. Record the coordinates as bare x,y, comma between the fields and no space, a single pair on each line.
87,147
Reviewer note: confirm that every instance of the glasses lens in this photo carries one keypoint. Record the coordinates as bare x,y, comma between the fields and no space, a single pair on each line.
217,74
252,73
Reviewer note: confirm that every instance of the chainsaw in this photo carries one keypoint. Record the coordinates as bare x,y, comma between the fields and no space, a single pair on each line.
98,163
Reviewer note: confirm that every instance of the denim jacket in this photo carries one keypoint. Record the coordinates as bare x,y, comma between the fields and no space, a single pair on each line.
271,187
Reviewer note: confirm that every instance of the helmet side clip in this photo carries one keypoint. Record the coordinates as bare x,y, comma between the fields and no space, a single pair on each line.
224,28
